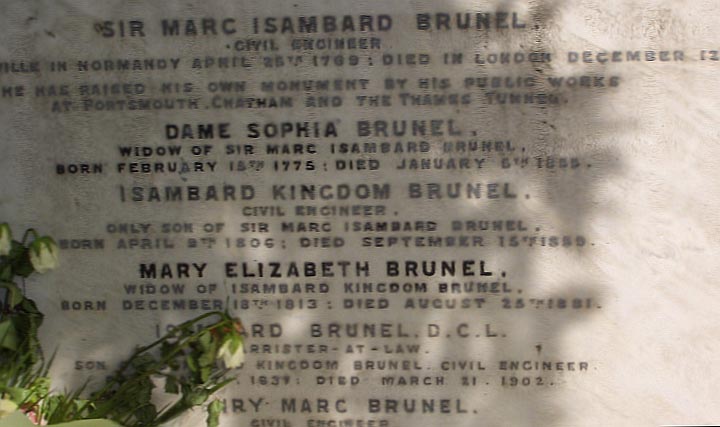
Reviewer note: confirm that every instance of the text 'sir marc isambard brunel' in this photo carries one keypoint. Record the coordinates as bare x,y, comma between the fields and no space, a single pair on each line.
395,199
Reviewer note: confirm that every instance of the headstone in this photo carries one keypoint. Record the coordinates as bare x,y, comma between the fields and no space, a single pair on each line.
425,212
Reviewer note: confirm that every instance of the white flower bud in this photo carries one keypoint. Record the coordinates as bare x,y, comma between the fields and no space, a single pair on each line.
231,351
44,254
5,239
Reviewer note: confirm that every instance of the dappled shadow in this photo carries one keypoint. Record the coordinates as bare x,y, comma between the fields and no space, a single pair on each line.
554,286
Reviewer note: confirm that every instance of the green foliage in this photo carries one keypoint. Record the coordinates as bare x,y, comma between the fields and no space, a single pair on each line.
23,375
186,358
214,410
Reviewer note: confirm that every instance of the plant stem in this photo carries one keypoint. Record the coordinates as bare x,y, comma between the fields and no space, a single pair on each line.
155,369
27,233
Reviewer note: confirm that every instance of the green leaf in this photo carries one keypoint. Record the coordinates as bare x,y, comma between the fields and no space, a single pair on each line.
20,260
41,386
141,392
8,335
207,358
15,293
17,250
27,320
205,372
50,405
146,414
30,307
197,396
205,340
143,362
171,385
192,363
166,350
214,410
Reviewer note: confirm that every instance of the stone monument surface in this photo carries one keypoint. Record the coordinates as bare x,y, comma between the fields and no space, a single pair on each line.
461,213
